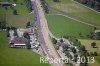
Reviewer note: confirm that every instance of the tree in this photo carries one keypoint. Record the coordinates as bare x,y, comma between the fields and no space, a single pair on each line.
91,54
8,0
65,48
91,35
75,57
13,28
12,7
73,49
28,5
82,47
8,35
8,28
28,25
26,35
54,40
6,7
15,33
28,45
95,54
95,28
57,47
15,12
93,44
80,34
84,1
3,25
56,0
15,1
95,4
45,6
88,54
61,40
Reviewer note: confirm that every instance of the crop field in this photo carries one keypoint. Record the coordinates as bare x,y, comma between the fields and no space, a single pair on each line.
20,20
63,26
71,8
17,57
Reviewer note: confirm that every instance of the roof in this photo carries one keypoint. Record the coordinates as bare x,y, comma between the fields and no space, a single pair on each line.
5,3
20,44
19,40
97,31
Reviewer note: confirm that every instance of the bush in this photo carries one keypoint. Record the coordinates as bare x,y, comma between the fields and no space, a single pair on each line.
54,40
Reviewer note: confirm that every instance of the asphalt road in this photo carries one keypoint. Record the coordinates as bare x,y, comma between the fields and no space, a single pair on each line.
43,31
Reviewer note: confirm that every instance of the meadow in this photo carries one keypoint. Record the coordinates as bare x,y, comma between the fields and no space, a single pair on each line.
63,26
75,10
16,56
20,20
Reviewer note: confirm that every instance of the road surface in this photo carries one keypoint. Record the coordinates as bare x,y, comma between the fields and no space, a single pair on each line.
44,32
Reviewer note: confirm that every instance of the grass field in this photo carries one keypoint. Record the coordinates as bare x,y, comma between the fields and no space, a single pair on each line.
17,57
87,44
98,58
63,26
16,20
69,7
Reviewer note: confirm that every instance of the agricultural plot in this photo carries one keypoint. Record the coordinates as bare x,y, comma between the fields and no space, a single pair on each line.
75,10
89,48
20,20
63,26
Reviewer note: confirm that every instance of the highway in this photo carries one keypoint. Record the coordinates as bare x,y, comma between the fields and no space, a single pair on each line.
43,32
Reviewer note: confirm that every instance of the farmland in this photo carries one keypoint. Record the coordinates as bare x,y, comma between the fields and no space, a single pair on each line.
63,26
87,44
75,10
20,20
60,25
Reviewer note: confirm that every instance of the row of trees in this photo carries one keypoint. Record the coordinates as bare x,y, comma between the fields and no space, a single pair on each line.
91,35
28,5
3,25
56,0
15,1
45,6
11,28
27,36
28,24
91,3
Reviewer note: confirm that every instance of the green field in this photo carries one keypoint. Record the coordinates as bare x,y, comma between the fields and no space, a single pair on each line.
75,10
87,44
16,57
63,26
16,20
98,58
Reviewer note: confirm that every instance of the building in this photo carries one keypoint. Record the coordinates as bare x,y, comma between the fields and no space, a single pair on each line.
18,42
6,4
